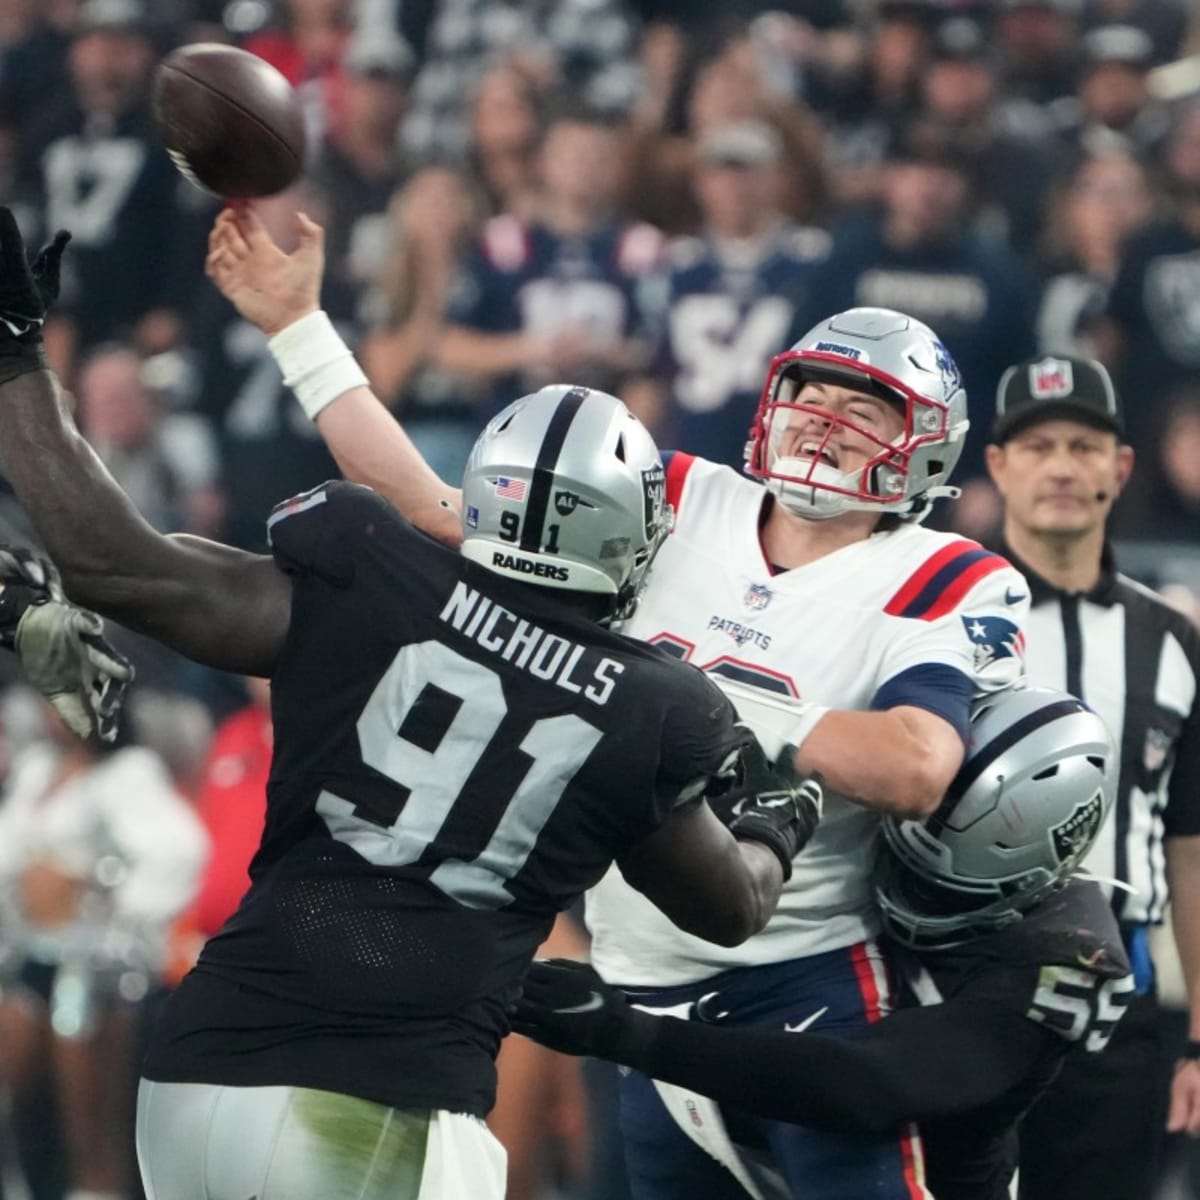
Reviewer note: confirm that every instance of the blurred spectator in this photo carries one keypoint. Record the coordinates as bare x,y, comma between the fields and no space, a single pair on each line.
95,166
433,223
33,56
721,80
1014,161
1114,109
358,166
584,46
1096,207
1163,502
307,46
1164,21
506,129
552,299
1038,39
167,465
871,91
98,853
1152,329
921,255
232,806
727,300
269,449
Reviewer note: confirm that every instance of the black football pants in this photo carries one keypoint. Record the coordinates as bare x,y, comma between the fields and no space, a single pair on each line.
1097,1132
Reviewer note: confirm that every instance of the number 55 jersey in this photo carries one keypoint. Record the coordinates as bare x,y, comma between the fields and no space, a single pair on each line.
458,756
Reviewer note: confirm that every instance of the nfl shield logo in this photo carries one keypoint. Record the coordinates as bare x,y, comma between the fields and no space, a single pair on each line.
757,597
1051,379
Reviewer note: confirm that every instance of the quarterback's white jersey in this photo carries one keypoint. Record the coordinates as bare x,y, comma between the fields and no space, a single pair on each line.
851,630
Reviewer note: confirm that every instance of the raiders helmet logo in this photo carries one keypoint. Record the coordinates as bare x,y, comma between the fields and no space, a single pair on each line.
654,488
1078,831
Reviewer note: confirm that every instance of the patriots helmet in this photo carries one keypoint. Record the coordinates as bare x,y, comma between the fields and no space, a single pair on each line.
1037,782
565,489
893,357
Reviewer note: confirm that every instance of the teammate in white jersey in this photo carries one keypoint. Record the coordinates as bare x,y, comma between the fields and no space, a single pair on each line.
849,632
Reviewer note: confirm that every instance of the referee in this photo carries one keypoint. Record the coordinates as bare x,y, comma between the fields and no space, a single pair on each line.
1059,461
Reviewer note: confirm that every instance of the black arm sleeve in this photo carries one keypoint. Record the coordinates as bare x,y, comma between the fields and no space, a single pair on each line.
916,1065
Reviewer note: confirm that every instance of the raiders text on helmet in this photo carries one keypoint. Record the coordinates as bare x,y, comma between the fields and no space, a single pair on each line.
565,489
891,356
1038,781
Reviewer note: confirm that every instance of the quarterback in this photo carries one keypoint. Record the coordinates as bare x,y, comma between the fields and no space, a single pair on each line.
848,632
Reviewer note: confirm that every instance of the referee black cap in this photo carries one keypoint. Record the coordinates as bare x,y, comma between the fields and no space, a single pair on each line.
1052,387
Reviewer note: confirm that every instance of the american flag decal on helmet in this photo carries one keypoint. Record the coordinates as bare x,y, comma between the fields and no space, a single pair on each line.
510,489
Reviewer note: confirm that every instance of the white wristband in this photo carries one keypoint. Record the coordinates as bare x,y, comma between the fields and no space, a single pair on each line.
316,364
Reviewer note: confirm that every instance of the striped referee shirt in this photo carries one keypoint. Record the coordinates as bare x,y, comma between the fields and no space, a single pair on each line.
1135,660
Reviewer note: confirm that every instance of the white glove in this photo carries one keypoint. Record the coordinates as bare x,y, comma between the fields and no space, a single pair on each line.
62,648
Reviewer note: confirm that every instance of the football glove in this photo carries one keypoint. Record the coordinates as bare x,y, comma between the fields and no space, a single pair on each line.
62,648
771,804
565,1005
26,294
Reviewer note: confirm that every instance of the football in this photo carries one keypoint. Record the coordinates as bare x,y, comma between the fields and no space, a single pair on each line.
230,121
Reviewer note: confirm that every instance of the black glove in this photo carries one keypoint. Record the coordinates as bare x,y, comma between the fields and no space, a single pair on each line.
565,1005
26,294
771,804
62,648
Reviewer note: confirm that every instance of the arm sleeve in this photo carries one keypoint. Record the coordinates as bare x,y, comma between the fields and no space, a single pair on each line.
919,1064
700,740
944,691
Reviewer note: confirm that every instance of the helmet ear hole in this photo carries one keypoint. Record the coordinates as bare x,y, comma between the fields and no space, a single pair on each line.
621,447
1048,773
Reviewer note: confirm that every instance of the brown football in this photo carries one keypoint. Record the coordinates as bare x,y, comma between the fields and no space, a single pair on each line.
230,121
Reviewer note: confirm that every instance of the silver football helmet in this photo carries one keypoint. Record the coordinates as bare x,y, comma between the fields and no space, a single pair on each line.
891,356
565,489
1038,781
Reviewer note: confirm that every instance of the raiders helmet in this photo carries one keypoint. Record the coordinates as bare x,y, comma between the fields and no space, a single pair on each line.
1038,781
894,357
565,489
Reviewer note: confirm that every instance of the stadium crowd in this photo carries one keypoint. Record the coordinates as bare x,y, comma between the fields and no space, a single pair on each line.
651,196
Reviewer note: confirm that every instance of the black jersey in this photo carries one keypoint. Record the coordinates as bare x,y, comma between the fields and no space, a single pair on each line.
1062,967
458,757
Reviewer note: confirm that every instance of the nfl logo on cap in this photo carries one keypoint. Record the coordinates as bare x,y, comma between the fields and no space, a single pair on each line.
1050,379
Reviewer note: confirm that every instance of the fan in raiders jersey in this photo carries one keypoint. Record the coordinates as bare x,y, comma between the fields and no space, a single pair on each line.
1014,963
852,634
462,747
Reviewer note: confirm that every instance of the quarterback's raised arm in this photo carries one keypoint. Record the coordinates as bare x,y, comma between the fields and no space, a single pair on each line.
217,605
280,293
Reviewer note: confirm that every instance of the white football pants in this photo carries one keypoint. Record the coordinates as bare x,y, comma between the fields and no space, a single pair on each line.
200,1141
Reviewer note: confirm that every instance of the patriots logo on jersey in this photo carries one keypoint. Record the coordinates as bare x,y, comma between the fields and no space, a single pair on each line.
740,633
757,597
993,638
